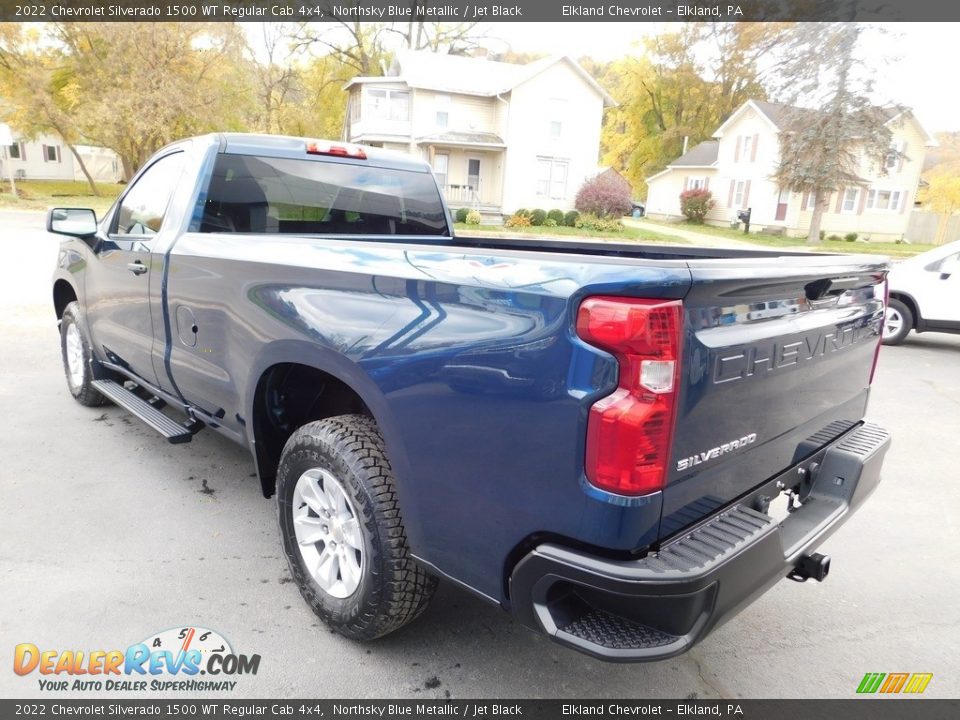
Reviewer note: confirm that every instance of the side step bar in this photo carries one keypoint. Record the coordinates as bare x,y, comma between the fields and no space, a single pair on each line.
170,429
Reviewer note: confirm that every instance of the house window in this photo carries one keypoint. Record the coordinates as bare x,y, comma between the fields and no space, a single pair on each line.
51,153
850,196
389,104
355,107
696,183
883,200
892,161
443,111
552,178
738,191
811,201
747,148
557,112
16,151
441,168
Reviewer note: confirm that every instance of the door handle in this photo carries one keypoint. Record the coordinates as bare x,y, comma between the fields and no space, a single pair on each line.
137,268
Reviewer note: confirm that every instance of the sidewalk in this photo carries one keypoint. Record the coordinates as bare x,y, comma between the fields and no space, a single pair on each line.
697,238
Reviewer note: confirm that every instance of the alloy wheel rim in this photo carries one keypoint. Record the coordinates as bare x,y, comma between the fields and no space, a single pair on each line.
74,356
892,323
328,533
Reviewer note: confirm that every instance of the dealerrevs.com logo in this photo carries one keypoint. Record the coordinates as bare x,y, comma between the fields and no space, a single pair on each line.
172,660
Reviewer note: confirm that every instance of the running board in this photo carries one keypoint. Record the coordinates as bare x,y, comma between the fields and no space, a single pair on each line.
169,428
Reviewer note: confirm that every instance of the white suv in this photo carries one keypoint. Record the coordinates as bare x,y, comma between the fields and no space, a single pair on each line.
924,294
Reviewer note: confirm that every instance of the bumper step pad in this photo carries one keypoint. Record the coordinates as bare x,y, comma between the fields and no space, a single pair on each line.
615,632
169,428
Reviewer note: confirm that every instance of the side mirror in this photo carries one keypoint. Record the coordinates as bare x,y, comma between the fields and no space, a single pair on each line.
949,267
75,222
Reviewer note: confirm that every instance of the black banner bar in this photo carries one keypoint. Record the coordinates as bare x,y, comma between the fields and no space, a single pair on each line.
477,10
874,708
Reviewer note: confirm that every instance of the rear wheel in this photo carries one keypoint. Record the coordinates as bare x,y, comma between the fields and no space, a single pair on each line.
77,357
897,322
342,531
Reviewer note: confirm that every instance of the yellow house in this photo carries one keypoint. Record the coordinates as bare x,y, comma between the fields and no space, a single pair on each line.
738,166
499,136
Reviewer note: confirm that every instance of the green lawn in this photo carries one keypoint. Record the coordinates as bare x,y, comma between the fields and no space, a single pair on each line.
44,194
628,233
899,250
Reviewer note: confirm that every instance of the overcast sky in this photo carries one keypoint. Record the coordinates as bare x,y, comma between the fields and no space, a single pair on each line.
923,77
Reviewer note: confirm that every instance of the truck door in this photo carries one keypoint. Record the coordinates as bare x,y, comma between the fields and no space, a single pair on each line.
119,277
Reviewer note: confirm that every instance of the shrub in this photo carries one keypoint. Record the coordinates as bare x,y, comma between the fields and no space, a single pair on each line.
461,215
604,195
515,221
538,216
823,234
589,221
522,212
695,204
556,216
550,222
570,218
473,218
850,237
834,238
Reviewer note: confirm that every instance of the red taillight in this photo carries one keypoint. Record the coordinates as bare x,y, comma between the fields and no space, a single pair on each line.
630,432
347,150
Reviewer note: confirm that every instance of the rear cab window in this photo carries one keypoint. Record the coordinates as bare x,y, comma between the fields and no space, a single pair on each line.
269,195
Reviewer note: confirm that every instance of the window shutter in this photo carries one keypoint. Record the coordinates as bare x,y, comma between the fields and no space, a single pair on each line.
753,149
733,185
863,201
736,153
806,201
58,154
44,153
686,183
746,194
839,200
23,151
903,202
903,152
706,183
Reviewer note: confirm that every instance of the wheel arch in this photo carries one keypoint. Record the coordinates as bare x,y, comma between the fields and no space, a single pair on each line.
339,386
64,293
908,300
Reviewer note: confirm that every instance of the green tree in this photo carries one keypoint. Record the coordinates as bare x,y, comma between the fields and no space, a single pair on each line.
824,150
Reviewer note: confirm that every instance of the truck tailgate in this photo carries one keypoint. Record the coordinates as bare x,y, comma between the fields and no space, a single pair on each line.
777,360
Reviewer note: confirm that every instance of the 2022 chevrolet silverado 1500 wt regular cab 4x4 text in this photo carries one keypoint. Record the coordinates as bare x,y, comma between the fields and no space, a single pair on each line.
587,434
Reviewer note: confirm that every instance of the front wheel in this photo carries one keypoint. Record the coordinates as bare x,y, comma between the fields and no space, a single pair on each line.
77,357
342,531
897,322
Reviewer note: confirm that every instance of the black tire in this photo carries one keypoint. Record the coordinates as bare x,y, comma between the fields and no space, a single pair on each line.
907,320
81,389
393,590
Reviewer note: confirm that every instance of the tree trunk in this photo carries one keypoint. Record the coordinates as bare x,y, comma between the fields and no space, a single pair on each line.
941,233
128,167
813,236
83,168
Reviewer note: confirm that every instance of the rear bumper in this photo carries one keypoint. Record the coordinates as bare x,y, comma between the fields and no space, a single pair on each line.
661,605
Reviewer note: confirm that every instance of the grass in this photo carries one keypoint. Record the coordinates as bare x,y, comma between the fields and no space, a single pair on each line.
892,249
628,233
45,194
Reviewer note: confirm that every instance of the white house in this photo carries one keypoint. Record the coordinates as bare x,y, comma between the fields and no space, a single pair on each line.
42,158
739,164
499,136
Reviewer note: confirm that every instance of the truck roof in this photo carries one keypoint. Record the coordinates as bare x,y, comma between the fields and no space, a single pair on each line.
288,146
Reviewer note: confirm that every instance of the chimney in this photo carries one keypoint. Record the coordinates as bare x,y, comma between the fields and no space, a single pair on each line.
686,139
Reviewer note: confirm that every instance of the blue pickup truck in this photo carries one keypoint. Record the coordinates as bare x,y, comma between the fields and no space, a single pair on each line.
620,444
